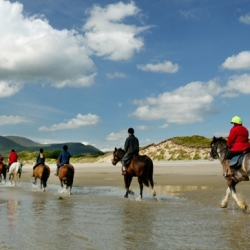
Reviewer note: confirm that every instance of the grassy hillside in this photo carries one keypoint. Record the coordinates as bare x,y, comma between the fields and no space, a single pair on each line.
22,144
22,141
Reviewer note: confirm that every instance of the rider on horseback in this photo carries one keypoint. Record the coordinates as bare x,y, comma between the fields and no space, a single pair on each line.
237,142
63,158
40,159
131,147
13,157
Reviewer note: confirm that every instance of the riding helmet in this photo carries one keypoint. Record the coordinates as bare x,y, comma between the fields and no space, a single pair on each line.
236,120
131,131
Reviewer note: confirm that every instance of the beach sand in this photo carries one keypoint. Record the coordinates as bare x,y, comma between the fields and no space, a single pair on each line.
202,180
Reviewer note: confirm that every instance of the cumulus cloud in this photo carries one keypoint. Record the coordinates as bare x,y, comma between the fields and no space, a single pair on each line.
107,36
9,88
31,49
10,120
115,75
187,104
165,67
238,62
79,121
237,84
117,136
245,19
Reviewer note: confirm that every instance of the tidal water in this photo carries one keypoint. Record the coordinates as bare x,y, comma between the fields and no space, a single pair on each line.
100,218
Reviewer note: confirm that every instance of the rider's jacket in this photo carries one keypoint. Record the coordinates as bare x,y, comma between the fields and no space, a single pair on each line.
238,138
12,157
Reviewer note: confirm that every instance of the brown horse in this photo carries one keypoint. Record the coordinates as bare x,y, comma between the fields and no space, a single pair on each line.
42,172
140,166
218,151
66,176
2,172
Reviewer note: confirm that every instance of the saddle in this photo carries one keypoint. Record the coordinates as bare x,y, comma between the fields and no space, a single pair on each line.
236,161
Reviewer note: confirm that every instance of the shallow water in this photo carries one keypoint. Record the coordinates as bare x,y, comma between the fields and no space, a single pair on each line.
100,218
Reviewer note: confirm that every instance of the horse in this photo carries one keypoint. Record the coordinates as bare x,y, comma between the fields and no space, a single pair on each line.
14,171
66,176
140,166
42,172
2,171
218,151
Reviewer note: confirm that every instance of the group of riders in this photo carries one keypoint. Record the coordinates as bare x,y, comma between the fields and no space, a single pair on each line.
131,147
63,158
237,143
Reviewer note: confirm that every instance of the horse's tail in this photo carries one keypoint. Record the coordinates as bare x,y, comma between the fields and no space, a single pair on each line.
147,176
45,175
70,176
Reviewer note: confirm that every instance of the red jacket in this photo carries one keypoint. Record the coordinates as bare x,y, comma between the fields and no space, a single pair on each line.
238,138
12,157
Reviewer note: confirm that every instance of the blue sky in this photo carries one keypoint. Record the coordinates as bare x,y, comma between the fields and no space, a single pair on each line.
86,71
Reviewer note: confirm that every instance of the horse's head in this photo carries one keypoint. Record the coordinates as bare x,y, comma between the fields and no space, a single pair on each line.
218,145
117,155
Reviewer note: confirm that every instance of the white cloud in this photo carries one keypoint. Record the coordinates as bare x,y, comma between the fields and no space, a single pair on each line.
10,120
115,75
187,104
117,136
238,62
79,121
31,49
165,67
108,37
237,84
245,19
142,127
9,88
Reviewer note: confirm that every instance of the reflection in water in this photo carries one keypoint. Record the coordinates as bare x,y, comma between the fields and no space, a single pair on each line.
176,190
12,207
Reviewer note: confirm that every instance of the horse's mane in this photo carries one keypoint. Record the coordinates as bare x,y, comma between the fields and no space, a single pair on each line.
219,139
120,149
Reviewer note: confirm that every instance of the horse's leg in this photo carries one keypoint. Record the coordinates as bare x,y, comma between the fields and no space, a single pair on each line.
241,203
152,185
127,181
141,187
224,202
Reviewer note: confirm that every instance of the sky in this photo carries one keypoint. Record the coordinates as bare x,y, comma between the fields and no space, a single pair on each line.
86,71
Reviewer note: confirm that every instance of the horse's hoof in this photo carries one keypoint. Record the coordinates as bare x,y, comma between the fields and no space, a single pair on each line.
125,196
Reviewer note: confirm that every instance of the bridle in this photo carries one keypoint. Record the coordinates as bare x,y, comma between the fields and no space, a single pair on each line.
116,158
215,153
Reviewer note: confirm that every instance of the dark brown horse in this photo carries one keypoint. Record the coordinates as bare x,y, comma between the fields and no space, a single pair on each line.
140,166
2,171
42,172
218,151
66,176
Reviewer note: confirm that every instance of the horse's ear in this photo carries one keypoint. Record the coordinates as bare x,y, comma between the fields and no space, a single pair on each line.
115,148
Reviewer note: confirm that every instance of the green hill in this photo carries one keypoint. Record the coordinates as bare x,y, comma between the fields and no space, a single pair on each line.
7,143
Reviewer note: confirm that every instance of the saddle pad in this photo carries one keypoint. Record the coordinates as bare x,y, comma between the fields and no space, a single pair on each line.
236,161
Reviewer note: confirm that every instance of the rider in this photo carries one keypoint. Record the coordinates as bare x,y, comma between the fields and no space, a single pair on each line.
40,159
12,158
131,147
63,158
237,142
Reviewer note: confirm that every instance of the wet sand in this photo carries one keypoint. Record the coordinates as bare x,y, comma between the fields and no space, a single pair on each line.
176,173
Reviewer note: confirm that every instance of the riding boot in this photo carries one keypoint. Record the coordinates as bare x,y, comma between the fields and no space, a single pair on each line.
229,172
123,170
56,174
33,173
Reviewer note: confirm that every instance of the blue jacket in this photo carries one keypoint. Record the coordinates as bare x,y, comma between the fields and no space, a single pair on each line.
39,159
64,158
